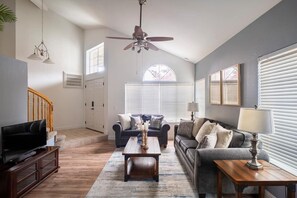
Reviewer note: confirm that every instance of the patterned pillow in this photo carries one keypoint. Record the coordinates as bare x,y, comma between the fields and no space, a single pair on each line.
156,122
208,141
204,130
185,128
135,122
224,136
125,120
146,117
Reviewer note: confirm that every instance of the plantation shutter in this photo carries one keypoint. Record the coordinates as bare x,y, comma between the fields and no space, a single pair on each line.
168,99
278,91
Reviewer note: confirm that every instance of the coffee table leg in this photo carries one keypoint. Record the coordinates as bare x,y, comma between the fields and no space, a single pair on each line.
291,190
219,184
157,169
238,190
126,168
261,191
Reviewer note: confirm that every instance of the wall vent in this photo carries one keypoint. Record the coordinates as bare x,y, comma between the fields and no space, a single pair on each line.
72,80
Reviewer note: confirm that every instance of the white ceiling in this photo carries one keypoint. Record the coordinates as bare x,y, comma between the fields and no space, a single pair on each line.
198,26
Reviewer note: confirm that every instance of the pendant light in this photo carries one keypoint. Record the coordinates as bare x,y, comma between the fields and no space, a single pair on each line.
41,52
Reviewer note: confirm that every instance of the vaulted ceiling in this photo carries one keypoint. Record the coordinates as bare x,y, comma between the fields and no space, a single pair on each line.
198,26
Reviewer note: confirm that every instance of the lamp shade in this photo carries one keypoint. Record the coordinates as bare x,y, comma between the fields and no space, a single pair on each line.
193,107
256,120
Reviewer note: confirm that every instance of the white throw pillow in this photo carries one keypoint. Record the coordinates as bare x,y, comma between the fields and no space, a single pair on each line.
224,136
197,125
204,130
208,141
125,120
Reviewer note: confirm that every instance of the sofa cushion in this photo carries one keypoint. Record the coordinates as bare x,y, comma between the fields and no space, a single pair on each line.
197,125
191,156
178,138
153,132
130,132
224,136
204,130
135,122
240,139
125,120
185,128
156,122
186,144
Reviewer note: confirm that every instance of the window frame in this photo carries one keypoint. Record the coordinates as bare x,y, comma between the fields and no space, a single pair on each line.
99,68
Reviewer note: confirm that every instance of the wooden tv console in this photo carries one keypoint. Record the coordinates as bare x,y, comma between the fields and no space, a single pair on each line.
19,179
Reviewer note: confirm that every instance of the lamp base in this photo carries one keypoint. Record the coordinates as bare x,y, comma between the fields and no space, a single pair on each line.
255,165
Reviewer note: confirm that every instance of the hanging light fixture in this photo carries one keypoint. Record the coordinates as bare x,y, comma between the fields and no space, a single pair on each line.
41,52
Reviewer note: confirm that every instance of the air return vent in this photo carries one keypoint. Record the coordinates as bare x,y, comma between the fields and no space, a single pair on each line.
72,80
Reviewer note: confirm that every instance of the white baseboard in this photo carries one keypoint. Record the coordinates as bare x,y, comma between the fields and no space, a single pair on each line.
268,194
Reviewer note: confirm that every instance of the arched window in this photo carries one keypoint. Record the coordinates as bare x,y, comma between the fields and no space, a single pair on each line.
159,72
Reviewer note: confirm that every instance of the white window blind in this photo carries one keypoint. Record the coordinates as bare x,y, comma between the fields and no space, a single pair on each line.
168,99
95,59
200,96
278,91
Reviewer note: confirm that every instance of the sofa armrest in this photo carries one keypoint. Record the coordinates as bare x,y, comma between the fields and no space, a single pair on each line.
165,127
205,157
175,130
117,127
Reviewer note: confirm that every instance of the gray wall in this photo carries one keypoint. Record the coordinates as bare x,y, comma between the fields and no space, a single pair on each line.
274,30
13,91
7,36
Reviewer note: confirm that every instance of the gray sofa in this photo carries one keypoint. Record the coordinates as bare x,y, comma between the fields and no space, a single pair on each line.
122,136
199,162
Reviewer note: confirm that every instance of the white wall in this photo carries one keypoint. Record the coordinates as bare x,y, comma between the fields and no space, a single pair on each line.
65,43
128,66
7,36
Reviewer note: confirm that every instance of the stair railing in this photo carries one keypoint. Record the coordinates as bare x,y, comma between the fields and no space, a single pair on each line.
40,107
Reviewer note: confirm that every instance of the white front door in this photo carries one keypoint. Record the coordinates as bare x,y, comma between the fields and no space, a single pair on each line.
94,104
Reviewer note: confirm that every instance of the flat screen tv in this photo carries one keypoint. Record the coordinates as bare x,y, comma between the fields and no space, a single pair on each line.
20,141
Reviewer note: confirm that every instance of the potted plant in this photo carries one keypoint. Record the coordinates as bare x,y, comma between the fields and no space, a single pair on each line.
6,16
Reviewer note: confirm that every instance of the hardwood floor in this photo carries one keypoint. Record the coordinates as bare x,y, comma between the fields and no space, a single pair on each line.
79,168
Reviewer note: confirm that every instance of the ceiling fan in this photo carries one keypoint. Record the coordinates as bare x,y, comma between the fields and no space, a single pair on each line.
140,38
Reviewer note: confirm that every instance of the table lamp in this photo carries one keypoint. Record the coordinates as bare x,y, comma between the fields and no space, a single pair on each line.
255,121
193,107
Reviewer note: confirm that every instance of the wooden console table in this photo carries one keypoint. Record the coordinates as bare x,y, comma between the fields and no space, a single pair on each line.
18,180
242,176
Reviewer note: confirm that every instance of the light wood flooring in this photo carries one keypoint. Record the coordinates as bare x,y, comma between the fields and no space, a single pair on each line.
79,168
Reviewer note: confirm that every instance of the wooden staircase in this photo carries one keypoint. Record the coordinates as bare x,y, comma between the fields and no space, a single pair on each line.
41,107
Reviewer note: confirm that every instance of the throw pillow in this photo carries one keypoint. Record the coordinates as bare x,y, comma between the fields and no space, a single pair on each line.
197,125
135,122
146,117
155,122
208,141
204,130
185,128
125,120
224,136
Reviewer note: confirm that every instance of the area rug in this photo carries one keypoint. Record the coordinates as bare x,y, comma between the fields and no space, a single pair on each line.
173,180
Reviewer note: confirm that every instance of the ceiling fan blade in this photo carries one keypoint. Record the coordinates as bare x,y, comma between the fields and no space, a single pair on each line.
151,46
129,46
122,38
159,38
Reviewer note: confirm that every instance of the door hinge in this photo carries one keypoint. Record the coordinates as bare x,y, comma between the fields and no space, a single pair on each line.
85,86
103,126
103,104
103,83
85,104
85,122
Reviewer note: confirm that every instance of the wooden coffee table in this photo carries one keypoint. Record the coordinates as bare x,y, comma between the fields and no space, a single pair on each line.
242,176
142,163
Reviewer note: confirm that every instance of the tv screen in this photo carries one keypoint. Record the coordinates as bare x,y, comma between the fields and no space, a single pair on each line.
19,140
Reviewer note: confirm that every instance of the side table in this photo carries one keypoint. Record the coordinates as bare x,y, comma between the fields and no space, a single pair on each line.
242,176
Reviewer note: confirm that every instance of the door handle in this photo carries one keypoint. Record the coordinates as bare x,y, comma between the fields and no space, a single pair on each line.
92,108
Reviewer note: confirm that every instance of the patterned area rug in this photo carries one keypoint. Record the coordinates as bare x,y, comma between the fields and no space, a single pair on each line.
173,180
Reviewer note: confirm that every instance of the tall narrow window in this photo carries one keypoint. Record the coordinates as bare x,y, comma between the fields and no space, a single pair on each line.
159,72
95,59
278,91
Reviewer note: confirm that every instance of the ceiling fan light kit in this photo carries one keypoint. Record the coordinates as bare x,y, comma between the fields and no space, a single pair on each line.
40,52
140,38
